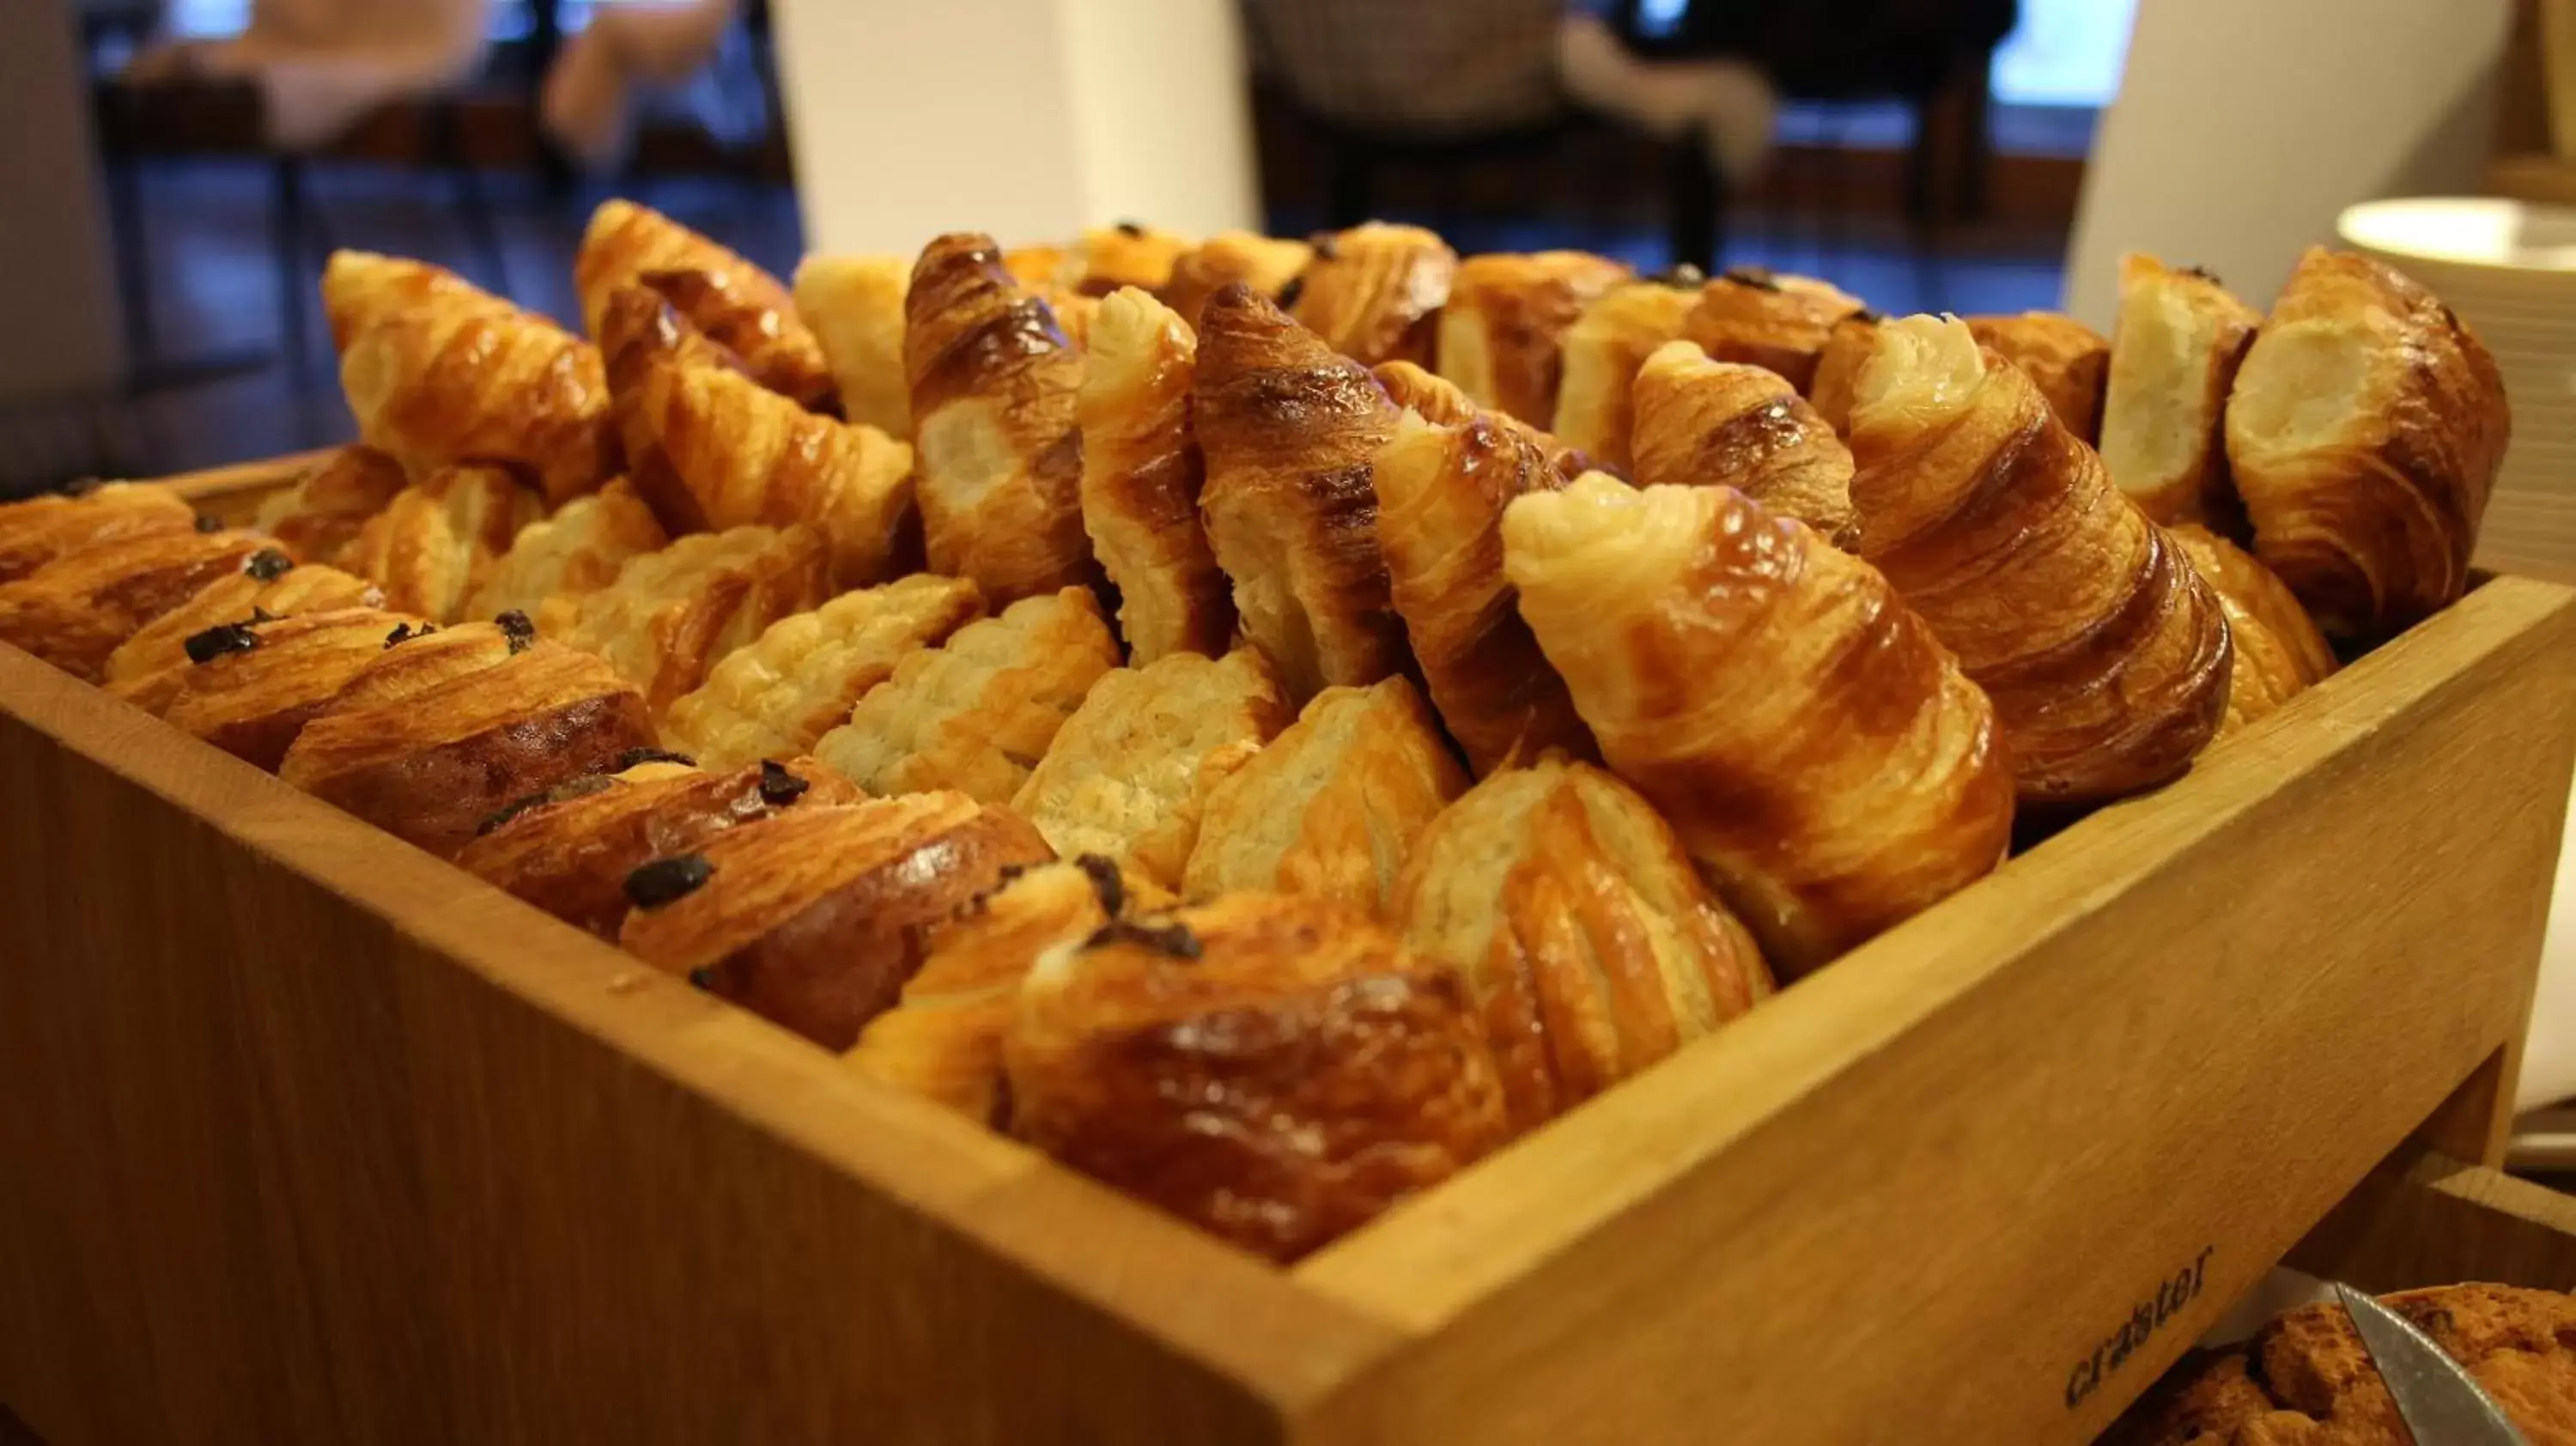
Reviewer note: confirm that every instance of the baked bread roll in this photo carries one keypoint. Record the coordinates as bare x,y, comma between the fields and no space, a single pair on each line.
1821,755
1333,805
2106,655
1374,292
1141,476
1588,944
1127,254
2364,432
440,539
429,767
250,687
1129,772
814,919
320,515
1502,334
1768,319
269,585
855,306
2279,652
554,563
739,306
1602,352
773,698
1700,422
2174,354
672,615
39,530
74,611
1278,1071
1000,455
1847,349
2067,360
1441,491
569,849
1288,429
1266,264
976,713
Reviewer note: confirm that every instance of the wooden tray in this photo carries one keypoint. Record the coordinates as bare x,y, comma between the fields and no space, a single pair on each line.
308,1137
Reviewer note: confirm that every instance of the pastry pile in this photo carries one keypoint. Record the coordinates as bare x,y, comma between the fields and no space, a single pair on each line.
1264,721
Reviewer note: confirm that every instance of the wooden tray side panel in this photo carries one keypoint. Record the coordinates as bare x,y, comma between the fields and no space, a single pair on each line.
1959,1181
2437,1221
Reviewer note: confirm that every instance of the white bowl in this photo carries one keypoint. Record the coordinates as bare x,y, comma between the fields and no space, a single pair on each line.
2482,232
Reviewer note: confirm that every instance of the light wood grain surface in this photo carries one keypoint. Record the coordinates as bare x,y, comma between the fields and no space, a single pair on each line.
2434,1220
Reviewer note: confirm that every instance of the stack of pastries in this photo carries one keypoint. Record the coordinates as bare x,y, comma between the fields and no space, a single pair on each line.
1268,722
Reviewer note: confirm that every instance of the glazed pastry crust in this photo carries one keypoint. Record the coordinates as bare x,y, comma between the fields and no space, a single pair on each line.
40,530
1768,319
1602,352
2279,652
1141,479
438,541
1700,423
1502,333
239,597
1847,349
672,615
1442,401
1125,255
2174,355
639,335
362,289
855,306
739,306
553,564
1265,264
75,611
1374,292
320,515
253,703
2068,361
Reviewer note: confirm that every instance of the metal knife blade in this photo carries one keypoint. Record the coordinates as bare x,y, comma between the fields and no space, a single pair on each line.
2442,1404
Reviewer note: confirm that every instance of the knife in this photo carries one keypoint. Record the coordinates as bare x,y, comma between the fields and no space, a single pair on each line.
2442,1404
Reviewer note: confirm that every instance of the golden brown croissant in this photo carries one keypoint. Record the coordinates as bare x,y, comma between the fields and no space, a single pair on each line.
1276,1070
1440,400
1847,349
1127,254
993,397
1267,265
1288,429
1602,352
2105,653
1129,772
815,918
1819,752
1699,423
2279,651
431,766
40,529
739,306
74,611
770,347
2365,431
568,849
320,515
553,564
2174,354
1374,292
672,615
1768,319
269,585
801,677
1141,476
363,289
439,539
976,713
250,687
1585,937
1441,491
1333,805
2067,360
1502,335
855,306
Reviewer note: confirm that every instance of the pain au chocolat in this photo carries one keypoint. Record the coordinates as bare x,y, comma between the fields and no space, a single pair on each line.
249,687
268,586
1768,319
38,530
75,611
1374,292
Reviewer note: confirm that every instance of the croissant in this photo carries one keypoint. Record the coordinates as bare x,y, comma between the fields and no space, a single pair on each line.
555,563
672,615
976,713
2365,431
320,515
439,540
39,530
1267,265
2174,354
1374,292
1141,476
1847,349
1440,400
432,765
1502,334
771,347
2105,654
739,306
1586,940
815,918
269,585
1768,319
2068,361
855,306
993,398
569,848
1441,491
1127,254
1128,773
363,289
774,698
1278,1071
2279,652
1602,352
74,611
1700,422
1333,805
1288,429
1821,755
250,687
640,334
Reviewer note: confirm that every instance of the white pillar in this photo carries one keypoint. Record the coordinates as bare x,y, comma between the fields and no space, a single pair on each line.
65,335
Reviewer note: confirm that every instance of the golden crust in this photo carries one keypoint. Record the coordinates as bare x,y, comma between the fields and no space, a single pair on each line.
2068,361
1441,491
1126,254
976,713
1442,401
1602,352
73,612
1129,772
2174,353
2106,655
855,306
639,335
1847,349
553,564
1374,292
993,384
1586,939
438,540
1141,479
739,306
2279,652
415,660
672,615
1502,333
252,702
814,919
1288,430
364,289
2365,430
1768,319
774,698
260,591
1700,423
320,515
1292,1077
39,530
1263,263
1333,805
1821,755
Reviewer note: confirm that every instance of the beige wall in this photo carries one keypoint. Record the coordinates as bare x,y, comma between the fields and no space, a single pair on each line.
62,335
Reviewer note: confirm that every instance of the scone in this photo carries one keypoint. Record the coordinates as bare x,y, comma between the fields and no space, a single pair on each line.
2068,361
1768,319
320,515
855,306
1141,477
672,615
439,540
269,586
249,688
1703,423
1374,292
38,530
1502,333
553,564
75,611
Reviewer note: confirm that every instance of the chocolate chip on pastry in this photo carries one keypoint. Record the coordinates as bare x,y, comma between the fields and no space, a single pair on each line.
554,563
76,610
252,701
435,543
1768,319
238,597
